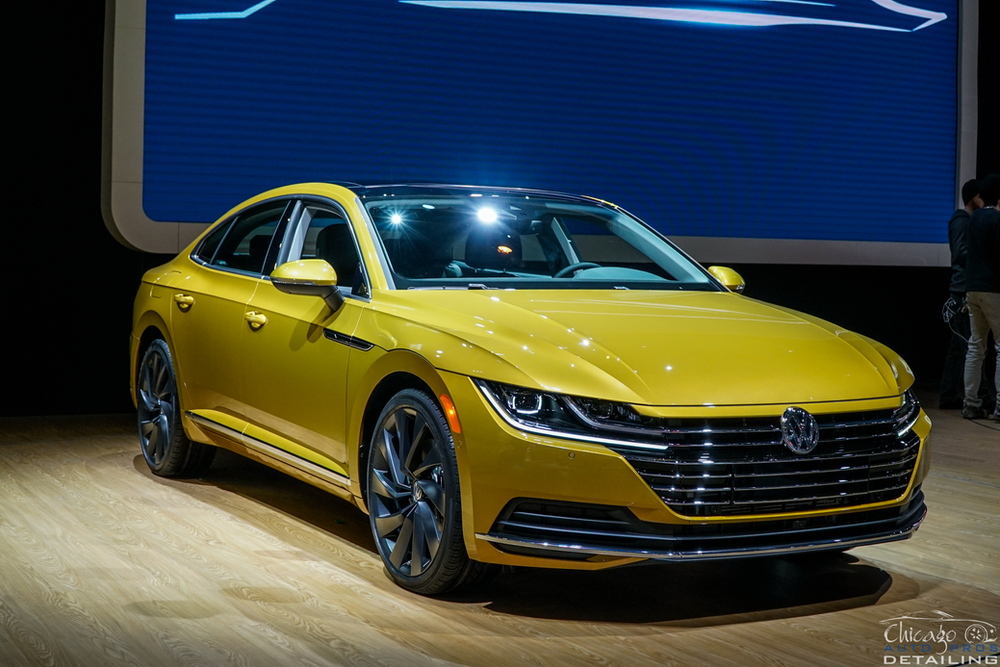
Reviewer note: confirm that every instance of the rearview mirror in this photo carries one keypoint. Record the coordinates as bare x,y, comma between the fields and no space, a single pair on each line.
732,280
309,277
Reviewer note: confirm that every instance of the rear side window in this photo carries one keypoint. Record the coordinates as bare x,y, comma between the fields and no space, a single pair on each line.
206,252
245,245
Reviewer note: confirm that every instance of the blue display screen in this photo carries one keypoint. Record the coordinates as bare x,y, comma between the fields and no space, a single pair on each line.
778,119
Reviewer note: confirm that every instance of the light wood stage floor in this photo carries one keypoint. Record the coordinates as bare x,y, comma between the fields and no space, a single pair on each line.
102,563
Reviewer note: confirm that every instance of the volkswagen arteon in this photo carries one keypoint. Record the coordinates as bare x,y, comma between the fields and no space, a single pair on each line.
510,376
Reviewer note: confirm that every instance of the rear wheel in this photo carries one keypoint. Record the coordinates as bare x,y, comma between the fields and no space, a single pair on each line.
413,498
167,450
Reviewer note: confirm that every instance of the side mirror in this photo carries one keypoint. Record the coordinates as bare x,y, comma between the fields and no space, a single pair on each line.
309,277
732,280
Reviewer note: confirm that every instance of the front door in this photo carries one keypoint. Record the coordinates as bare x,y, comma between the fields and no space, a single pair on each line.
294,360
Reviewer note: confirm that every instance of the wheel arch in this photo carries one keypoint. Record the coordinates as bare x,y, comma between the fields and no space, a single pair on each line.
149,327
392,373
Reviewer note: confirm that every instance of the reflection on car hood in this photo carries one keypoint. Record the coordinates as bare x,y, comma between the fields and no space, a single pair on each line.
653,348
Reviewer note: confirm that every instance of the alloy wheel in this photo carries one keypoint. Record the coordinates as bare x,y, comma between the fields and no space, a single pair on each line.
157,406
408,490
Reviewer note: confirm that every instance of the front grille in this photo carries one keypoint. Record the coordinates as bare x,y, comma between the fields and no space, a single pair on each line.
564,530
724,467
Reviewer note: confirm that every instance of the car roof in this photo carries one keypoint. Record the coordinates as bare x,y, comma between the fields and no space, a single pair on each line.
363,190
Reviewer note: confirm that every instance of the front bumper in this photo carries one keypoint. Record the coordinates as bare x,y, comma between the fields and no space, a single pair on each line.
579,532
591,509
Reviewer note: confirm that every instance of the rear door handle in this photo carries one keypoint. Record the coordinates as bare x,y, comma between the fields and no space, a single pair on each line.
184,301
256,320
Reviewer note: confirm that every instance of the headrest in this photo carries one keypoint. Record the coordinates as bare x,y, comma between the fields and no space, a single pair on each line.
492,246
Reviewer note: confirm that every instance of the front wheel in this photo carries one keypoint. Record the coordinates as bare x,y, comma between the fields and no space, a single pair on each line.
413,498
167,450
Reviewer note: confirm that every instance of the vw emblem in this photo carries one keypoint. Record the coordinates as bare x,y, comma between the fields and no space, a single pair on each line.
799,430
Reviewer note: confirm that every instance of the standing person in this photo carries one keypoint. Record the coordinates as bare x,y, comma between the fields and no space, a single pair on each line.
982,283
953,376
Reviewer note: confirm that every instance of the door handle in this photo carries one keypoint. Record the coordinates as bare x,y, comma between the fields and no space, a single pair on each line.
256,320
184,301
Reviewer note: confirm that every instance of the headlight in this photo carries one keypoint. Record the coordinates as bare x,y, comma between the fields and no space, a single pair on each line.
529,408
568,416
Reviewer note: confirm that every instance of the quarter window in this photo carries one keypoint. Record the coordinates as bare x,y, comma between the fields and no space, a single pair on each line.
206,252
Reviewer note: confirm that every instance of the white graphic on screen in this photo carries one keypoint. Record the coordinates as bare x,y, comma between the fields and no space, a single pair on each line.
723,17
224,15
727,17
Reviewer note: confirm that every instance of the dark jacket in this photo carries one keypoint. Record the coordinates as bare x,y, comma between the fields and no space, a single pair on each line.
982,261
957,236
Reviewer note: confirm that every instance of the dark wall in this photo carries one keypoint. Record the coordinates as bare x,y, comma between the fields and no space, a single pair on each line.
66,311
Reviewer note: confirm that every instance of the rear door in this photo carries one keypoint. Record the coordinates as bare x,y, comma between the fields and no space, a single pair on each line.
209,306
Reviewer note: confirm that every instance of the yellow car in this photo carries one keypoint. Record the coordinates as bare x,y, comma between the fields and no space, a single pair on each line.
508,376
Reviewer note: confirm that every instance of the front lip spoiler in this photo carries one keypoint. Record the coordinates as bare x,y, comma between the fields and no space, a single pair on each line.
802,547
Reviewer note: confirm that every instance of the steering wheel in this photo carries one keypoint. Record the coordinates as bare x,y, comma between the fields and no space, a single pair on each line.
563,272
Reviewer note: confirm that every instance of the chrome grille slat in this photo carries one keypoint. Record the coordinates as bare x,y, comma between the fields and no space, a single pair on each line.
700,445
800,500
698,502
859,459
808,472
683,476
854,438
721,431
892,452
740,489
904,461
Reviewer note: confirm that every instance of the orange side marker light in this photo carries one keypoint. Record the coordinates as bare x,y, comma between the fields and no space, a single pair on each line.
450,413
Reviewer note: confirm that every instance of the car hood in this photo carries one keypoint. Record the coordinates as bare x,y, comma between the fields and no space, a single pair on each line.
668,348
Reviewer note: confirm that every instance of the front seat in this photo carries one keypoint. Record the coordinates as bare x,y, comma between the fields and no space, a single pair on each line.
492,248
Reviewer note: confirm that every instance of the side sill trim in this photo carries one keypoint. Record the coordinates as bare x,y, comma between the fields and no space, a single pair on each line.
269,450
577,549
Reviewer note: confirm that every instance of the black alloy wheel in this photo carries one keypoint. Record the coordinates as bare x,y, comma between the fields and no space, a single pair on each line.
167,450
413,498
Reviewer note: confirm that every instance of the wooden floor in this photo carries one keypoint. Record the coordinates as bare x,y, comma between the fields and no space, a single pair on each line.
103,564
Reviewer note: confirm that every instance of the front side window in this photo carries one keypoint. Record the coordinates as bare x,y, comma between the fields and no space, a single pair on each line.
247,244
325,233
442,237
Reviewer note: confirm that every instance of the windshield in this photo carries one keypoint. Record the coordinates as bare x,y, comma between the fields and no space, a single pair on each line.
487,238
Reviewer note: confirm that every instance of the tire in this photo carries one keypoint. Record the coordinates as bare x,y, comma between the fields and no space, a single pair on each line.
167,451
413,498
